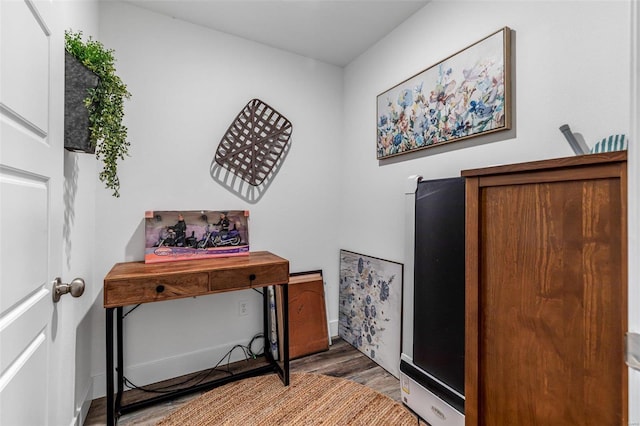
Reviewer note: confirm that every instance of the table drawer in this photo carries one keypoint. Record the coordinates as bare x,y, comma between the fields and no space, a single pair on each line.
253,276
155,289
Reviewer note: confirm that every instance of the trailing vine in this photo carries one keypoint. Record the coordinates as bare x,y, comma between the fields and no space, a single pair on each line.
106,106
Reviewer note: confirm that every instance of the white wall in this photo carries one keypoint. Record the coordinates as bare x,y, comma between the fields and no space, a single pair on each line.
78,237
568,69
187,84
572,65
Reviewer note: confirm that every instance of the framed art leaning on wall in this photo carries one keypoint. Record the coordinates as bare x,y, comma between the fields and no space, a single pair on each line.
370,311
466,95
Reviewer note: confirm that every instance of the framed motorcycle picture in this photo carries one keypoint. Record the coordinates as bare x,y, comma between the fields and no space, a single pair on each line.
196,234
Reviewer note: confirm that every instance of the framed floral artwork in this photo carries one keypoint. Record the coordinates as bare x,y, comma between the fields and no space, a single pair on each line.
466,95
370,311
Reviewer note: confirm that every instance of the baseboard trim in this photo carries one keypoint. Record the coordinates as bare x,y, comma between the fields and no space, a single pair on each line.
333,328
82,411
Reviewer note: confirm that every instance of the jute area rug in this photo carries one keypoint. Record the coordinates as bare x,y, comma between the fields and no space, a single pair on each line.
310,399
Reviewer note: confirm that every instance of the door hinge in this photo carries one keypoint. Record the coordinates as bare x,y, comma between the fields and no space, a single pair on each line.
633,351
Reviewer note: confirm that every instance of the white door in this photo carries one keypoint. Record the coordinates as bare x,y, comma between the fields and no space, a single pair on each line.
31,172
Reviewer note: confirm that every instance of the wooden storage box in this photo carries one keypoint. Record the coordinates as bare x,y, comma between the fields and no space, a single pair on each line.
308,332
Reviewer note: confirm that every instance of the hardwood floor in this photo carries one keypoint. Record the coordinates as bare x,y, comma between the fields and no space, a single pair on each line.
341,360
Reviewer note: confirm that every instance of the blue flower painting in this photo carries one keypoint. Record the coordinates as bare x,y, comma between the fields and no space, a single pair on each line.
463,96
370,307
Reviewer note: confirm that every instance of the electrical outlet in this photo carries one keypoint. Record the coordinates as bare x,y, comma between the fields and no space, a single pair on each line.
243,308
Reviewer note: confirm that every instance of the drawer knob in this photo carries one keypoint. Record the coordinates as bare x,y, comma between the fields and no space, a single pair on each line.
160,288
252,277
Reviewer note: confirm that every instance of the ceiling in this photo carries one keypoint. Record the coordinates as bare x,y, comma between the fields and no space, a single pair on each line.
331,31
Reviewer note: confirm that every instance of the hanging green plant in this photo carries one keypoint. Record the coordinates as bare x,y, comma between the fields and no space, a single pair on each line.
105,104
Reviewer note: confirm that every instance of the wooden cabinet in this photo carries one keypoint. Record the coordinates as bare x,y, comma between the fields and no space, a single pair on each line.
546,292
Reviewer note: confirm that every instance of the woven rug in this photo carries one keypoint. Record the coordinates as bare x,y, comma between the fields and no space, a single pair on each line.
310,399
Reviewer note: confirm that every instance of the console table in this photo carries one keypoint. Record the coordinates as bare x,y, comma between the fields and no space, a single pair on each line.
133,283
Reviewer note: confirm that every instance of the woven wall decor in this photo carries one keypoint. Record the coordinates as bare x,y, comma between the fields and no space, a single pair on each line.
254,142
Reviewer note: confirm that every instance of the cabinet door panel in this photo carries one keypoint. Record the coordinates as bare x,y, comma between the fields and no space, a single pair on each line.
549,325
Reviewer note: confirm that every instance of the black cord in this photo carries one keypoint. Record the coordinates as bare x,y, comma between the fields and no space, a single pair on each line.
131,310
253,339
200,377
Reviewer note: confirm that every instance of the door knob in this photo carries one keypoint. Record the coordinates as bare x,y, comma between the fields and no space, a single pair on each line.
76,288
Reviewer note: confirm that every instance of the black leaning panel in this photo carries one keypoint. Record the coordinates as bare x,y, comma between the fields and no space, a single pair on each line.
439,280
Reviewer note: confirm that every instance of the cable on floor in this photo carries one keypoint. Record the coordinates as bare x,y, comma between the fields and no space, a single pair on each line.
201,376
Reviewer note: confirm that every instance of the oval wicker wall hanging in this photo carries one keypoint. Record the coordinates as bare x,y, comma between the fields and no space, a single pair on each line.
253,143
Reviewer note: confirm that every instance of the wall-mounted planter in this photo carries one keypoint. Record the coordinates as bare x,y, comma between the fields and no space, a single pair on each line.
77,81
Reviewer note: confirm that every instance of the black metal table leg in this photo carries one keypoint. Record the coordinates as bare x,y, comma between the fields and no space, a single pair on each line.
109,367
120,360
285,320
265,325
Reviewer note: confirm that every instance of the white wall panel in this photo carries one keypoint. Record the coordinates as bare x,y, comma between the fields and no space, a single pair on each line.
30,79
24,236
21,325
26,380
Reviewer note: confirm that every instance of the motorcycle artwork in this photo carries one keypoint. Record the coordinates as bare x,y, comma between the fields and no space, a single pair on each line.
169,238
217,238
172,235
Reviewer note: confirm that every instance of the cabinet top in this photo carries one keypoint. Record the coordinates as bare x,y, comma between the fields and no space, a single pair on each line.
554,163
128,270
